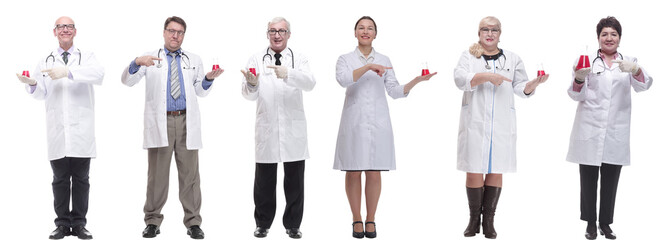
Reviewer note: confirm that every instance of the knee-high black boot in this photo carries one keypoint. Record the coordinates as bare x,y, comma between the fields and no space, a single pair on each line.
490,199
475,197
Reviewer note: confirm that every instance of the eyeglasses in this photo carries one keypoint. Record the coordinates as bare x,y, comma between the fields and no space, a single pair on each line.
494,31
61,26
282,32
172,32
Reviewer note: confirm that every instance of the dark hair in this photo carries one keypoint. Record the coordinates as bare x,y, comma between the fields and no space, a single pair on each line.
175,19
611,22
368,18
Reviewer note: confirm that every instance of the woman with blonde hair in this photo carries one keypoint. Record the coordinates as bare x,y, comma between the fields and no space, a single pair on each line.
489,77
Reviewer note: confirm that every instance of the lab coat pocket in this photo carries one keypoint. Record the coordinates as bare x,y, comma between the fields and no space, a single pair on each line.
299,128
85,129
622,134
54,125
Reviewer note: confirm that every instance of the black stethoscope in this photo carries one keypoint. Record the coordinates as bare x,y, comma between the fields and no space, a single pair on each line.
53,58
292,57
599,51
487,58
159,65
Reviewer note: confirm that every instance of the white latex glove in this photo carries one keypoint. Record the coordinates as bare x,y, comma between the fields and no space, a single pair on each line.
57,72
280,71
582,73
26,80
627,66
250,78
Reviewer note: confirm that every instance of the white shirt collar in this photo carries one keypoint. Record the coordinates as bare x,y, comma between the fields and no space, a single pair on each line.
363,59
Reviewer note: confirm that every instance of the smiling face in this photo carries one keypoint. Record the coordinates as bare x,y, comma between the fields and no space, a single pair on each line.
365,32
65,31
489,31
278,40
174,36
609,39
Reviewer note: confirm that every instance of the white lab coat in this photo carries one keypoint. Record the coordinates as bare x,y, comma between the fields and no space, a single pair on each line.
601,131
487,132
281,127
70,104
155,108
365,140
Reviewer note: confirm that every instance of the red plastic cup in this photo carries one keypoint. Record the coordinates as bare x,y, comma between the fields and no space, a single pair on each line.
583,62
253,70
425,72
26,73
213,68
541,73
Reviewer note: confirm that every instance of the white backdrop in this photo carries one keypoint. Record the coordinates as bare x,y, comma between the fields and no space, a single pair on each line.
424,199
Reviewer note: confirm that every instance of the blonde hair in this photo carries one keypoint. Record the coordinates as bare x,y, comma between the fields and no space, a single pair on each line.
490,20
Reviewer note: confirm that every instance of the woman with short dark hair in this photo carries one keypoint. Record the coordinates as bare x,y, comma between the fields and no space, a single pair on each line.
601,133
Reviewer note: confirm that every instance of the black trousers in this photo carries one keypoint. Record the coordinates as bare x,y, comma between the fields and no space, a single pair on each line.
609,186
264,194
76,169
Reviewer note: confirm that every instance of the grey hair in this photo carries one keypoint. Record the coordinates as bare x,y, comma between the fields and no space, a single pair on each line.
278,20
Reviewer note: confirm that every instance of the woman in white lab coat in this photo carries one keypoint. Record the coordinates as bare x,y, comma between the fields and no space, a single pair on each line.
489,78
365,140
601,132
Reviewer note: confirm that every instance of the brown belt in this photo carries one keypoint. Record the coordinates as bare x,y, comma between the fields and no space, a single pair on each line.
176,113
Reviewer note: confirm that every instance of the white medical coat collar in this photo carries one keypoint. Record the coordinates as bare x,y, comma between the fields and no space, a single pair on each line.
362,57
283,53
61,50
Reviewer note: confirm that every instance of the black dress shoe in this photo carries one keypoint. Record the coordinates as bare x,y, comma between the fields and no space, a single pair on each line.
261,232
358,234
150,231
60,232
605,230
195,232
591,231
81,232
370,234
294,233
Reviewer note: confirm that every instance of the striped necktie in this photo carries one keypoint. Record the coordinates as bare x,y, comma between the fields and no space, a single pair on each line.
175,86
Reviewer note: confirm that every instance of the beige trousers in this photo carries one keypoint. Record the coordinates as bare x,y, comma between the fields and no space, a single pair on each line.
159,176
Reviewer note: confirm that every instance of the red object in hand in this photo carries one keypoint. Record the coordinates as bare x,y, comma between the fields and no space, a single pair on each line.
26,73
425,72
253,70
583,62
215,67
540,73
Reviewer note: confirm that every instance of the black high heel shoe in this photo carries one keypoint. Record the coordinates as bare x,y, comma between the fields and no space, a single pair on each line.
605,230
358,234
591,231
370,234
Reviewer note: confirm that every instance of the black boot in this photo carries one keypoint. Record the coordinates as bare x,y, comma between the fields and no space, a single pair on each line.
475,197
490,199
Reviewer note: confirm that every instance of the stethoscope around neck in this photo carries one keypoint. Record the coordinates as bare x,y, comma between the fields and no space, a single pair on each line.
53,58
159,65
599,56
292,58
497,56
